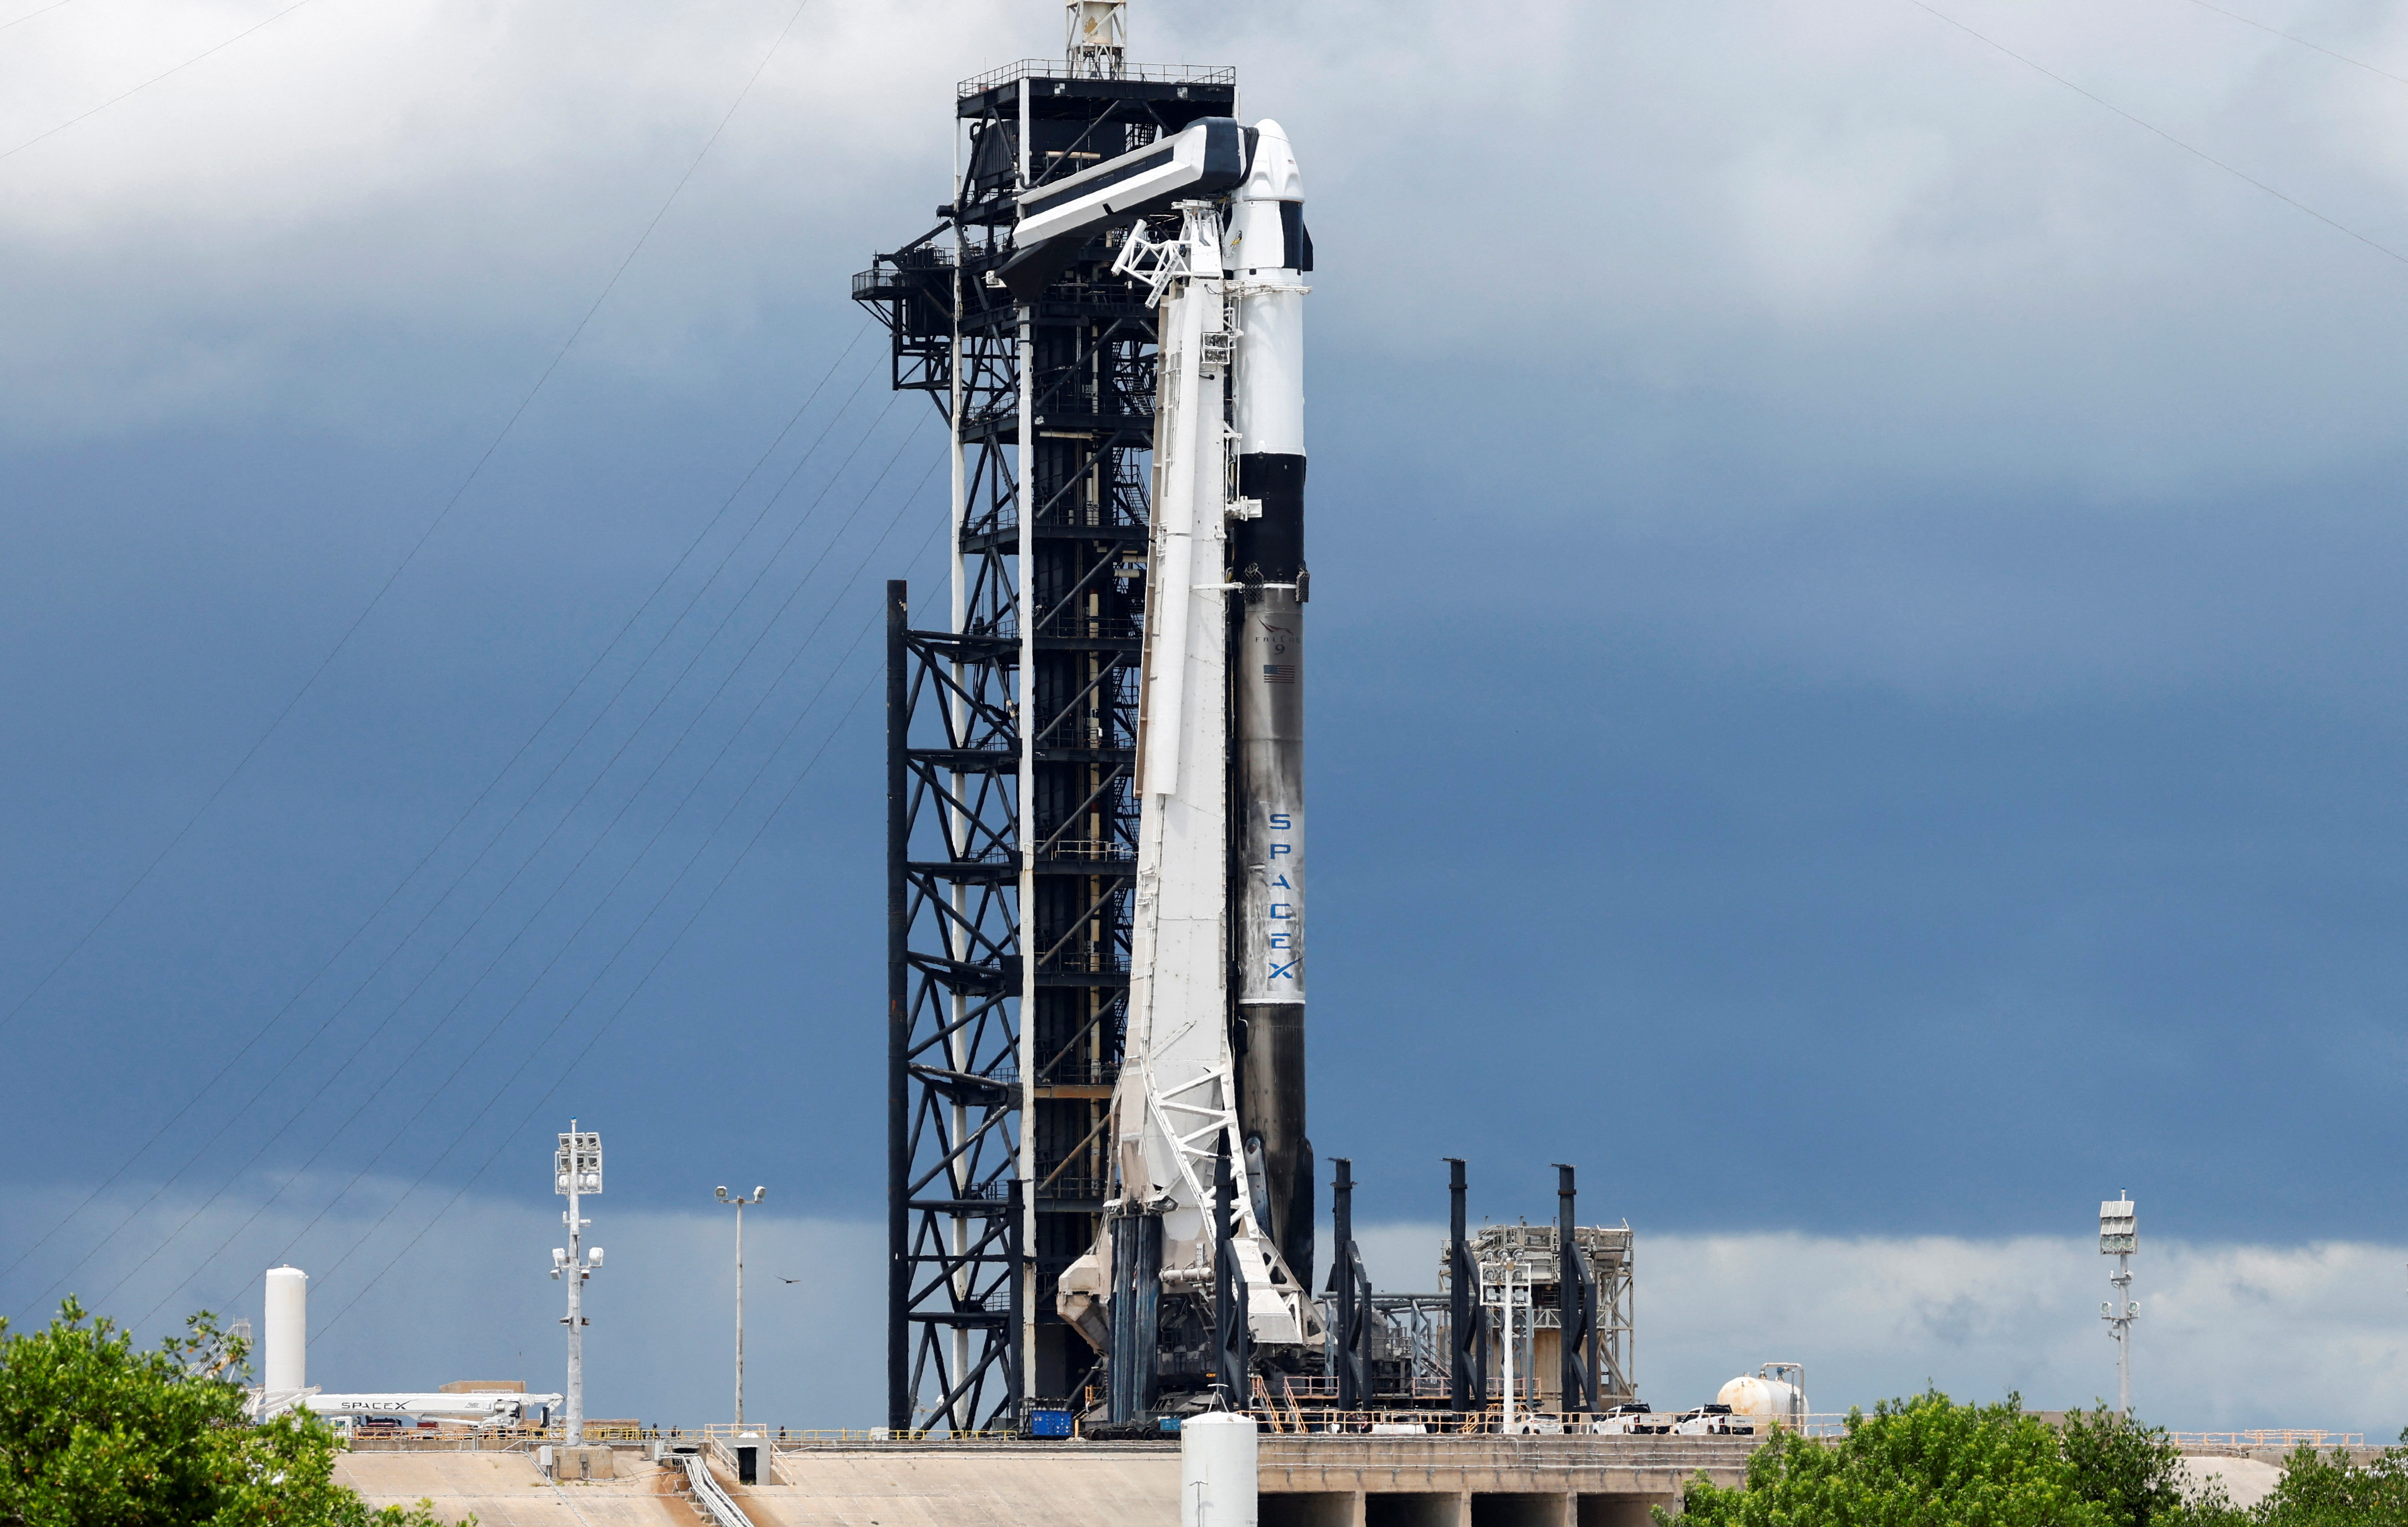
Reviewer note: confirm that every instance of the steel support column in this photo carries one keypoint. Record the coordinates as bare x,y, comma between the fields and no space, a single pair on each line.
899,998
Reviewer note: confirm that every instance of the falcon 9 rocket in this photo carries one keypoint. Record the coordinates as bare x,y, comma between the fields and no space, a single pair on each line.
1268,255
1214,1051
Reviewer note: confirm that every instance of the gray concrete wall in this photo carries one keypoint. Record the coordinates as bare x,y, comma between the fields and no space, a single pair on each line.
1320,1480
1577,1465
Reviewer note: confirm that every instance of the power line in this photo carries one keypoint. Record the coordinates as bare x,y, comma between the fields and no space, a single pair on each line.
412,556
476,919
2195,152
599,976
2353,63
495,1029
768,760
493,838
795,656
137,90
605,1027
602,1030
490,784
54,5
568,875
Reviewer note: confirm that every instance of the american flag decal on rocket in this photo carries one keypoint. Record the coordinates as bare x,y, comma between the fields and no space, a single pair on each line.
1279,673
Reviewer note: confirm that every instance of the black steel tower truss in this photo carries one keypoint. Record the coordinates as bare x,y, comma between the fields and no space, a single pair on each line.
1013,735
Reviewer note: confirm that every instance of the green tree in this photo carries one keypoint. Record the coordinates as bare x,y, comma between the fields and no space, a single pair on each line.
2317,1490
2132,1472
95,1434
1928,1462
1920,1463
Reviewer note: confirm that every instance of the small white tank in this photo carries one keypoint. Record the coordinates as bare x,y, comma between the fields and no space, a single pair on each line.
1217,1471
1762,1401
284,1334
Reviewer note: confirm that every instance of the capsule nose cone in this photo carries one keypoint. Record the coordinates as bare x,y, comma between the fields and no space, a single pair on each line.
1273,175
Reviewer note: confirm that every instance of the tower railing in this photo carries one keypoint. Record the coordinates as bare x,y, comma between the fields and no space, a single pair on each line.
1055,69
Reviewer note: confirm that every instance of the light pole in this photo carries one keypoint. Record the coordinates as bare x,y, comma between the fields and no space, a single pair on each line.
740,1202
576,1170
2119,1236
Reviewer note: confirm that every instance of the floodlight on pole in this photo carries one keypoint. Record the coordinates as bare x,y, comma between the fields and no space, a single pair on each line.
2119,1236
741,1203
575,1172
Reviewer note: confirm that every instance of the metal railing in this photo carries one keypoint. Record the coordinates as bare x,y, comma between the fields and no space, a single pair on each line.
1281,1419
1086,962
991,854
1092,627
897,279
764,1467
1100,849
997,520
1079,1074
807,1436
1425,1387
1276,1419
2282,1437
1835,1424
713,1501
451,1437
1054,68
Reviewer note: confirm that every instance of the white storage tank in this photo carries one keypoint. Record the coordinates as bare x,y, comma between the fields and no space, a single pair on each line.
1761,1401
1217,1471
284,1334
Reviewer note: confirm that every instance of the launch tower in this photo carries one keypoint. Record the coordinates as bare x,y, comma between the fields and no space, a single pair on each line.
1012,727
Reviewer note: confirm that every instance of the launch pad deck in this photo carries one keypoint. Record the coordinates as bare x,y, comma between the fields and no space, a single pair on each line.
1317,1480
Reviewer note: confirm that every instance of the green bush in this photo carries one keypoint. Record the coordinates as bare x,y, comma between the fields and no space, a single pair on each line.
95,1433
2319,1492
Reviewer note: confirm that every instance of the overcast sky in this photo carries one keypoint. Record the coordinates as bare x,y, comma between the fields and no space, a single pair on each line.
1857,690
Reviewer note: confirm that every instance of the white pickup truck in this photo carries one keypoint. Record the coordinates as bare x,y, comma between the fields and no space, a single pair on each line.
1631,1419
1711,1421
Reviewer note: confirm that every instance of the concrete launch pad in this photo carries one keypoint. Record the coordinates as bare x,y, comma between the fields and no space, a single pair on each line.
506,1490
887,1485
1306,1481
945,1484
